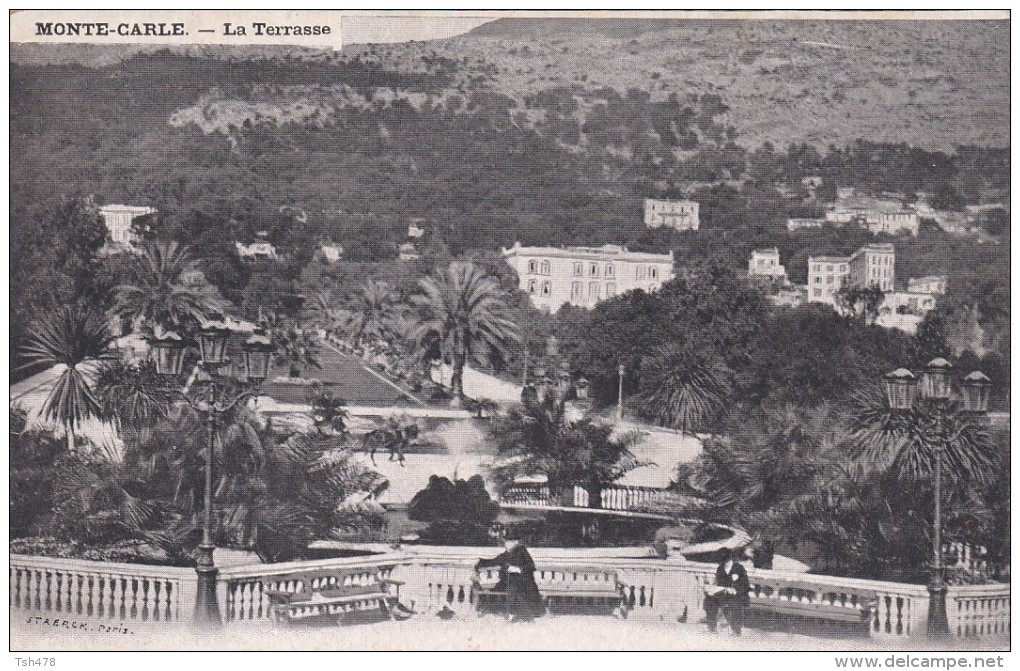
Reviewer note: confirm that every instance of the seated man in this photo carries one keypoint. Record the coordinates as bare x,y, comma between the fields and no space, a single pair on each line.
517,579
731,594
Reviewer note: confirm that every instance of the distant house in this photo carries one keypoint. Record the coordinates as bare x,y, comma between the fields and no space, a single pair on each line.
256,251
789,296
118,220
408,252
583,276
798,224
878,215
416,229
681,215
332,253
929,284
765,263
812,182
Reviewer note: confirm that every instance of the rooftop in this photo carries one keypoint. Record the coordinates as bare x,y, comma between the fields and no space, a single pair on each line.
586,252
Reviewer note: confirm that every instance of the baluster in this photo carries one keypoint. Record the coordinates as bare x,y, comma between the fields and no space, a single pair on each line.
449,594
157,592
134,599
260,608
123,597
60,579
899,615
112,612
15,586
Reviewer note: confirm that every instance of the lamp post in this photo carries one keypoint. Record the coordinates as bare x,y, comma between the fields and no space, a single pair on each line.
168,350
619,396
930,425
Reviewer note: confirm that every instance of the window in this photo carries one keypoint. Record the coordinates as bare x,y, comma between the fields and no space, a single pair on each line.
532,267
828,280
818,280
578,269
653,272
828,269
576,290
842,268
546,288
593,270
641,270
610,289
610,270
531,286
593,291
818,267
818,292
545,268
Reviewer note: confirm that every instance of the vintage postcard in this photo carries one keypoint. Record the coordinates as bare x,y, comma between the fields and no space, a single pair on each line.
470,330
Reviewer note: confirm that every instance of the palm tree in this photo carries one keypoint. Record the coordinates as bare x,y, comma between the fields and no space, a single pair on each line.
165,286
683,388
75,338
908,442
133,397
367,315
536,438
462,312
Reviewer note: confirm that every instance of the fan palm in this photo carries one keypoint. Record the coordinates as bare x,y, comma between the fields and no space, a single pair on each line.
909,443
74,338
165,286
462,312
683,388
537,439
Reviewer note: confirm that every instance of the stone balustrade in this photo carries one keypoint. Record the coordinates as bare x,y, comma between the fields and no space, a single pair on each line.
437,578
243,589
978,611
101,590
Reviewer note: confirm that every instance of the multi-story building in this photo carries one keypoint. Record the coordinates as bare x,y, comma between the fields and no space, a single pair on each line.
871,265
826,275
874,266
118,220
679,214
878,215
408,251
766,263
929,284
583,276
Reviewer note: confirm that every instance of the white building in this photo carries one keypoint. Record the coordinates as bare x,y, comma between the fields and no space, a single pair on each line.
766,263
416,229
929,284
583,276
333,253
256,251
798,224
118,220
871,265
681,215
878,215
408,252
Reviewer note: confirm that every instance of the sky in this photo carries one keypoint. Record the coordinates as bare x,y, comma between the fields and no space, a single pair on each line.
402,28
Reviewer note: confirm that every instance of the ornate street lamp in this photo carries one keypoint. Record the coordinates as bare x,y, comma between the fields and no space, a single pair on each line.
976,389
901,389
168,352
935,381
931,422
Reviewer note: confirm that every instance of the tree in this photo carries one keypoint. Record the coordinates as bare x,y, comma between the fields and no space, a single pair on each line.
457,501
462,311
75,338
860,303
684,388
164,286
329,412
536,439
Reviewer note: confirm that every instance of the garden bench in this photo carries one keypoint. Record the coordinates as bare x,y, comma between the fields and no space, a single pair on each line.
563,589
808,603
336,596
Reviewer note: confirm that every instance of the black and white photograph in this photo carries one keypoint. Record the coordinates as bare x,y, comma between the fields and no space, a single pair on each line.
510,331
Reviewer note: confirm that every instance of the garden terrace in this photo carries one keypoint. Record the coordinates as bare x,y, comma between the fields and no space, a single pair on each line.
657,593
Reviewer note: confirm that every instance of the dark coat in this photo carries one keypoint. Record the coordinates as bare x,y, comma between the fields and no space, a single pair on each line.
523,597
737,579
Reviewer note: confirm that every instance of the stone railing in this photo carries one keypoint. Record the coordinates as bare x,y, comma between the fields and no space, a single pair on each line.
243,589
101,590
617,497
434,578
978,611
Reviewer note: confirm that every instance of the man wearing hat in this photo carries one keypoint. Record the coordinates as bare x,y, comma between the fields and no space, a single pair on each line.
731,593
517,579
